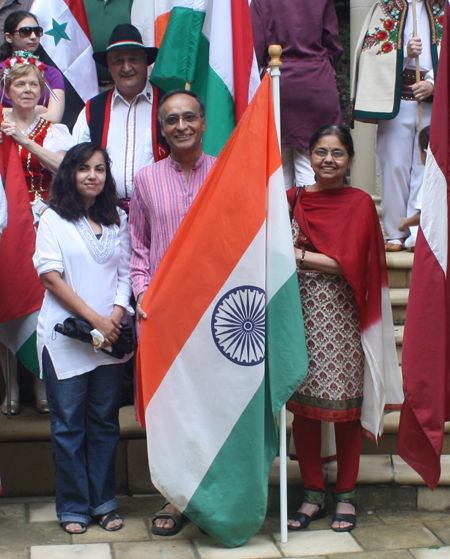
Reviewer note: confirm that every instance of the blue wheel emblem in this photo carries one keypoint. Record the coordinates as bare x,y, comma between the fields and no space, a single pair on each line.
238,325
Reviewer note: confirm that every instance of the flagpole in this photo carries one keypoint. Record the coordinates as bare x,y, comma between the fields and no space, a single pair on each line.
188,86
419,104
275,63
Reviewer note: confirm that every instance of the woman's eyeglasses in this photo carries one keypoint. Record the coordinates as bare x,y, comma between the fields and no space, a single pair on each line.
321,153
26,32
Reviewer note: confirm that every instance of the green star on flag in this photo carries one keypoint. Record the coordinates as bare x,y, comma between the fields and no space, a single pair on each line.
58,32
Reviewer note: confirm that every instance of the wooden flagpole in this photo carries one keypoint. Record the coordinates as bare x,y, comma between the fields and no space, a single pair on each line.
419,103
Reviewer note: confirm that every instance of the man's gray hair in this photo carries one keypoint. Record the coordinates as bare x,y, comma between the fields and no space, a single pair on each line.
201,105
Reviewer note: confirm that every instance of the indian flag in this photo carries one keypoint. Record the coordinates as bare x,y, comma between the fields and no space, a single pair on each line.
209,44
223,346
21,291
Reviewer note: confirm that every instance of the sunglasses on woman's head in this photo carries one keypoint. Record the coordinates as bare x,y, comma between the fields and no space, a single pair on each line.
25,32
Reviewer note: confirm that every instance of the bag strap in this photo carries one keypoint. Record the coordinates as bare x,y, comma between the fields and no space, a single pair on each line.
295,201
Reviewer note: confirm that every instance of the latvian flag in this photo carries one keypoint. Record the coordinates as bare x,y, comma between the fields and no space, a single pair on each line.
426,345
223,346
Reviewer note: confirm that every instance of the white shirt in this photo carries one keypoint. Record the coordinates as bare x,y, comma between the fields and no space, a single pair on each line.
129,141
58,138
423,31
97,270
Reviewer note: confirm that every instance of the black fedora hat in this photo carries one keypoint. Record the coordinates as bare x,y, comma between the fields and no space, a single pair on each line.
125,36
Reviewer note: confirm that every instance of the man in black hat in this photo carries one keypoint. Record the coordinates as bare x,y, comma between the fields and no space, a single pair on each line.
124,119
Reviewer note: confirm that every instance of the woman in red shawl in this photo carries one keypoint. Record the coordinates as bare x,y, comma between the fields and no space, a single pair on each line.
353,372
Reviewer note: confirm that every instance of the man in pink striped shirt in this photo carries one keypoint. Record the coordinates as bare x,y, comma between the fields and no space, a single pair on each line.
164,192
162,195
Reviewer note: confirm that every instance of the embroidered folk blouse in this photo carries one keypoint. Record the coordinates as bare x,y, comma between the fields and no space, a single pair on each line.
96,269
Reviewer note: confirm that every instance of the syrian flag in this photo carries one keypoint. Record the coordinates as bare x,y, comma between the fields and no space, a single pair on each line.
21,291
209,44
426,344
223,346
66,45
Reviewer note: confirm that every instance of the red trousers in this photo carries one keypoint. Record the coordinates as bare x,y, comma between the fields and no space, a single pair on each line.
307,438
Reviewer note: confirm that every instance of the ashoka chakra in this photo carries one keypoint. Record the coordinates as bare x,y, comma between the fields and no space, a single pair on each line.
238,325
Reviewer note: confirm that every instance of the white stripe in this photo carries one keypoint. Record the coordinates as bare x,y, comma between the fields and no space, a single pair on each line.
218,29
434,218
280,251
15,333
196,5
255,80
201,397
144,13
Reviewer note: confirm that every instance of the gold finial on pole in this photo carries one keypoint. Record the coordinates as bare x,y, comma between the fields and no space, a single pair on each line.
187,86
275,53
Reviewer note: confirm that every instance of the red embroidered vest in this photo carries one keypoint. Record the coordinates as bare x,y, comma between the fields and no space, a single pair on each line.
38,178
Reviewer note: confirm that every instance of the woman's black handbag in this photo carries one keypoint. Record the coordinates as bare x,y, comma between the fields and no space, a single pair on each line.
80,329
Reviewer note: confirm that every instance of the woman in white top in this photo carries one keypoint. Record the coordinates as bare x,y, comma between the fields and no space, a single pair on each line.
41,146
82,257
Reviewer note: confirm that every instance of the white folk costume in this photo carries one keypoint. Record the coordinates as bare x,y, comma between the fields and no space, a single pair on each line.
382,66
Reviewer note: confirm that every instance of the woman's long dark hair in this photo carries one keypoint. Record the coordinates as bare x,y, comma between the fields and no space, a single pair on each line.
64,197
11,22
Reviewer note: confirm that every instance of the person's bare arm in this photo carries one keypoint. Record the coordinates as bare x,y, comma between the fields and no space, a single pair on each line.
49,160
319,261
55,110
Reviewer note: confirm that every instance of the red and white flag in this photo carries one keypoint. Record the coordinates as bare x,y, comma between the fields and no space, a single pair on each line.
426,345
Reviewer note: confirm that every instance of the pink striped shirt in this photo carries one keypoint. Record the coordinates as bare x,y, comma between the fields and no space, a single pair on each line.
161,198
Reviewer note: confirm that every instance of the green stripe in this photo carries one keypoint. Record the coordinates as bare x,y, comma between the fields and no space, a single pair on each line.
177,58
27,355
220,114
232,496
286,353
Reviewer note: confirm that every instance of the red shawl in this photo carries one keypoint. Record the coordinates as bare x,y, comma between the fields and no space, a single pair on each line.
343,224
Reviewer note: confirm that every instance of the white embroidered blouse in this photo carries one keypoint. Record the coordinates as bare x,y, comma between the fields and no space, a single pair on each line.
96,269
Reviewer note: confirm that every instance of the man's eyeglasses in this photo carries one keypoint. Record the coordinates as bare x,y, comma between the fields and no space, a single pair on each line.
171,120
321,153
26,32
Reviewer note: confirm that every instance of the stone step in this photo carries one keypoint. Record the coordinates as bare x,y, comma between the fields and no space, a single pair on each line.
398,333
399,266
399,300
374,469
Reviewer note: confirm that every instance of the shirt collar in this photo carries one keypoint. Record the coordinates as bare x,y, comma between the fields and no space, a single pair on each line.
146,94
177,166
